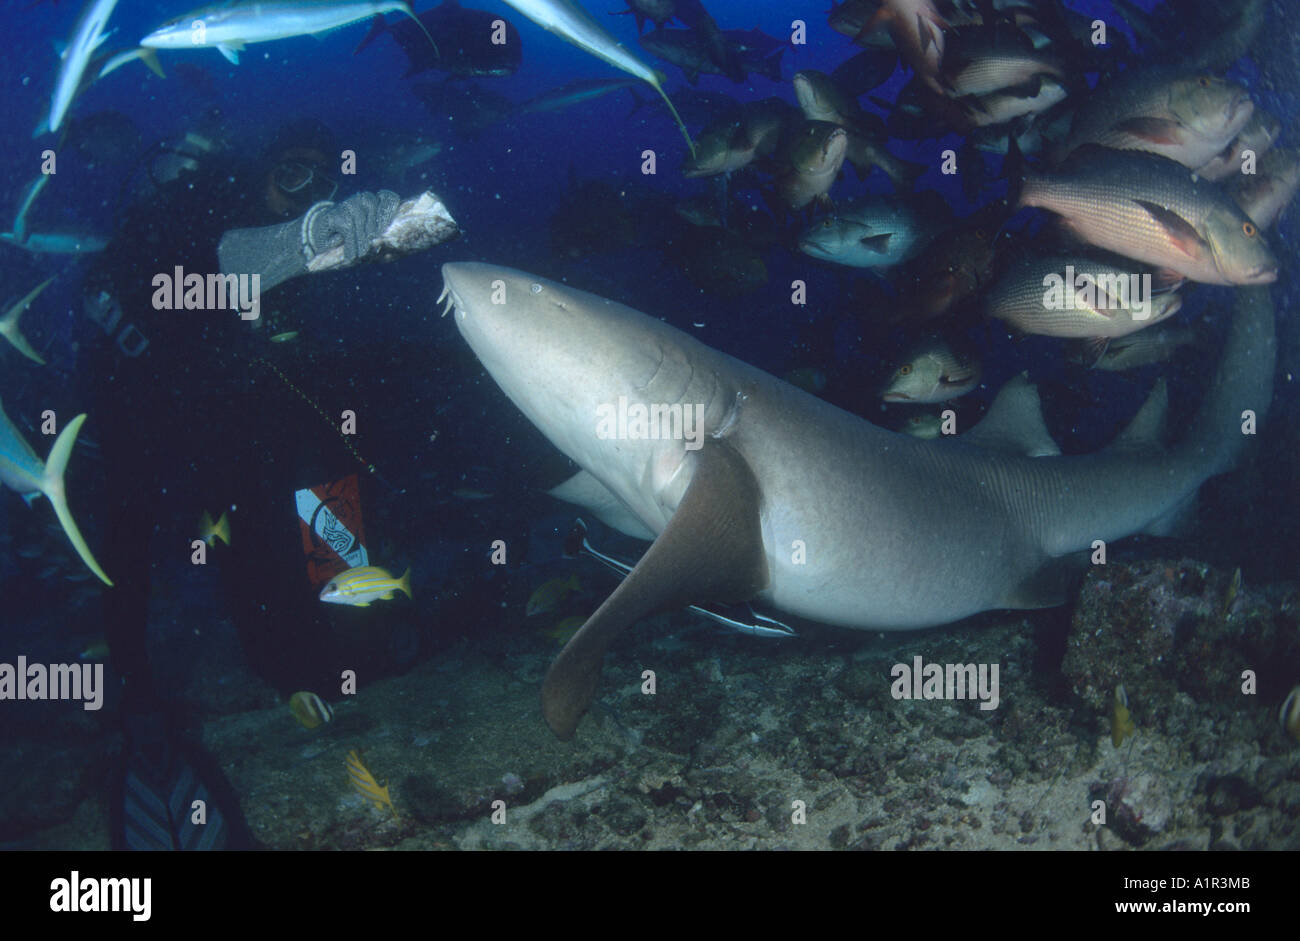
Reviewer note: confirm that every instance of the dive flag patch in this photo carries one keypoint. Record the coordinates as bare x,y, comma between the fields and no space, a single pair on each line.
333,537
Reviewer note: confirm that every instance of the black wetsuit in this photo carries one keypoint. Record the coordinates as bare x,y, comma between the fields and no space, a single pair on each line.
197,421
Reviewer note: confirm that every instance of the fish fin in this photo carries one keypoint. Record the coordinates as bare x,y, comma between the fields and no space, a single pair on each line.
9,324
1150,129
386,596
377,26
1014,423
586,491
1181,232
404,583
222,529
1177,522
1055,582
230,52
52,487
711,550
150,58
876,243
1164,280
1094,348
364,604
1145,432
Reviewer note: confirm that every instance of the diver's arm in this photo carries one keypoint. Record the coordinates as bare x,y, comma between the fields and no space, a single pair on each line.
337,235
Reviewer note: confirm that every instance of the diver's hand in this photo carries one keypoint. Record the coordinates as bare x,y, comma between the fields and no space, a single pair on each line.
364,227
354,225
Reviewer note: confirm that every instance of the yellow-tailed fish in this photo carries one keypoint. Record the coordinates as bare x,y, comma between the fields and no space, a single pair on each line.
9,324
562,632
210,532
366,784
364,584
573,24
22,471
1121,722
285,337
1289,714
549,594
310,710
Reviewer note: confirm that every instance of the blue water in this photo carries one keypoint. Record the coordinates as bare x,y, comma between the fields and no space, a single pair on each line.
443,423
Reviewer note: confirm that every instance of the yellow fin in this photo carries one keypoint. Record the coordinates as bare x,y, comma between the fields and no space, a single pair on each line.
404,583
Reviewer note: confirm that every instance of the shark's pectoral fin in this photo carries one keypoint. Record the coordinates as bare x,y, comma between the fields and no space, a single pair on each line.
711,550
1055,582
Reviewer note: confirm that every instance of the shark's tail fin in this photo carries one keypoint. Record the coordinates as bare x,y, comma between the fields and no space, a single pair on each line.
52,487
1238,399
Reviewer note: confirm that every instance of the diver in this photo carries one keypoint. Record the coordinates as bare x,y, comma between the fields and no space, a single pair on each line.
193,416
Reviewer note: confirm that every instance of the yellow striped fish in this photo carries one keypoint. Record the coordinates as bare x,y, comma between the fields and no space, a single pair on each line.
366,784
364,584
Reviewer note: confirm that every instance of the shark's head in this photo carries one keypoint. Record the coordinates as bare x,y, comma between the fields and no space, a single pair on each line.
623,395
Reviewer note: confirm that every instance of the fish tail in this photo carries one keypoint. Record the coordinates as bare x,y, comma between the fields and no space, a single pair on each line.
9,324
52,487
658,86
222,529
406,9
404,583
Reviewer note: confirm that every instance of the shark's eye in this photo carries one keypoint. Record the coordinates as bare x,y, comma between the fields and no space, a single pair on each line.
1203,81
905,370
1249,229
826,224
535,288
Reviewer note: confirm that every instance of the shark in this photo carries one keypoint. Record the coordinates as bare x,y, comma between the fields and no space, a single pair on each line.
9,324
793,503
22,471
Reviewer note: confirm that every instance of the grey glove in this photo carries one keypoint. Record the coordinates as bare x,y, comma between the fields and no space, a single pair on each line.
343,232
354,224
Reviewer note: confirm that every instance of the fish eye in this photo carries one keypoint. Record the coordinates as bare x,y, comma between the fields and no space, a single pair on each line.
1249,229
981,234
535,288
1204,81
905,369
332,586
826,224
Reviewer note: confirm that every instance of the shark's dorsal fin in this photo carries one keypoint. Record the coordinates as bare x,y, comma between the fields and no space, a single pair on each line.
1014,423
1145,433
711,550
586,491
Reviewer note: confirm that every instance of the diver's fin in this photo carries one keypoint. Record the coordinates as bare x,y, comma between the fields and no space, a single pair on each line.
166,802
1014,423
52,487
711,550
